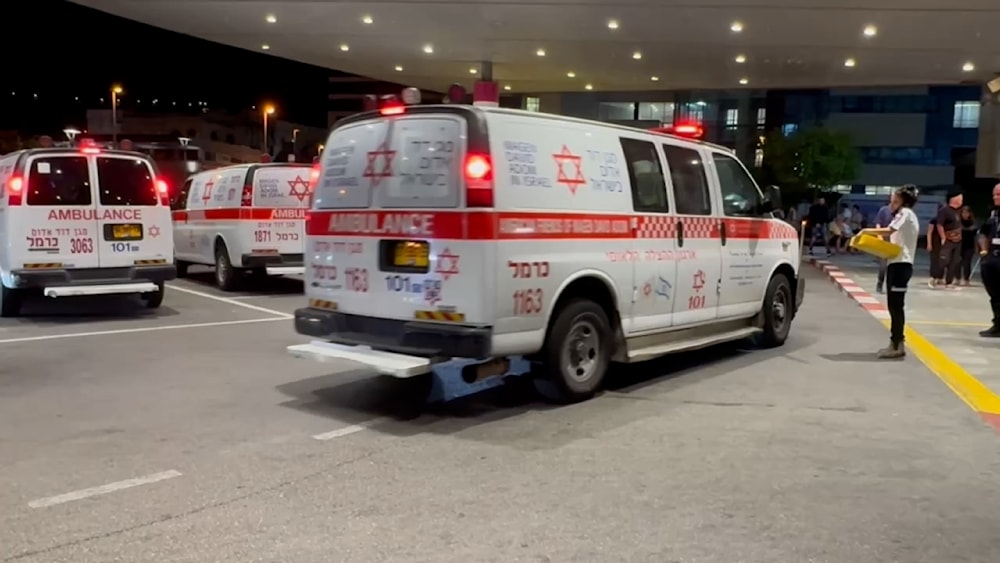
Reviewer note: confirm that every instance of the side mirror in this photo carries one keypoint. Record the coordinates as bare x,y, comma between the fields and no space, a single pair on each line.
772,199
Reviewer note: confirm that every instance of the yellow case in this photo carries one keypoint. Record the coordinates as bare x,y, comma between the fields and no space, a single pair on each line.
876,246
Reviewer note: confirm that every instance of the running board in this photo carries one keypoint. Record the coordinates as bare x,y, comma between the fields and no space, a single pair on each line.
286,271
687,344
384,363
104,289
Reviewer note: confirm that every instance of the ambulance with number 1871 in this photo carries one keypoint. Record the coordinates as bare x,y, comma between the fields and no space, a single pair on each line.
481,235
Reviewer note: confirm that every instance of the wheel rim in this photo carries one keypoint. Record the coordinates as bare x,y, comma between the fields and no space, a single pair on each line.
779,310
581,351
221,269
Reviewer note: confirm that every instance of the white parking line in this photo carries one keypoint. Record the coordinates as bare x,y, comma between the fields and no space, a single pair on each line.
103,489
352,429
138,329
230,301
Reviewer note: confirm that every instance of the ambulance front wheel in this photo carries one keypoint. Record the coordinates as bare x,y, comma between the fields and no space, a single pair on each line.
154,299
776,313
182,268
10,302
577,352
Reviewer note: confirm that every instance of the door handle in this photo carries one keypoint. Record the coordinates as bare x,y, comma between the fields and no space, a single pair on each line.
722,233
680,234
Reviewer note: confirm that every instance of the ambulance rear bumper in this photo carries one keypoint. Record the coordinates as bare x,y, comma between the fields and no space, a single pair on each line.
413,338
25,279
254,261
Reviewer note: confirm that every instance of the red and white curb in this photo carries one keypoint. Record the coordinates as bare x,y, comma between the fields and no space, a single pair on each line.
866,300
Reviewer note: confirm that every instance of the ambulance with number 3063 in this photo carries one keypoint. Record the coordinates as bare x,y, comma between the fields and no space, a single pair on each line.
82,221
455,233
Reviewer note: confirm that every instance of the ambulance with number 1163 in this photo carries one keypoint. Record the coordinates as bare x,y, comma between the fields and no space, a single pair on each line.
481,235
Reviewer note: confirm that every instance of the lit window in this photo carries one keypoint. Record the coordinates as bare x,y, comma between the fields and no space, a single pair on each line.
616,111
966,115
532,103
657,111
761,116
732,118
758,158
789,129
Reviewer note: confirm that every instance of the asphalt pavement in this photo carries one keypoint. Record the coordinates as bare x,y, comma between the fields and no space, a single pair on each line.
188,434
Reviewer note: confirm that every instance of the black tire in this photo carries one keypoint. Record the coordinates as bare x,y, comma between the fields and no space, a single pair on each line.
154,299
226,276
182,268
777,312
577,352
10,302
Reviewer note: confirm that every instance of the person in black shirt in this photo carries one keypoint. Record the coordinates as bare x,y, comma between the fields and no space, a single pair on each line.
934,252
819,216
969,229
949,228
989,249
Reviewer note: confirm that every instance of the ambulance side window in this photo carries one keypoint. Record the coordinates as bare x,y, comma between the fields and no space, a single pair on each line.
180,199
740,196
645,174
687,175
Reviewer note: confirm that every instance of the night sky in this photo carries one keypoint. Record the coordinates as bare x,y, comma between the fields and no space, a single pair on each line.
60,59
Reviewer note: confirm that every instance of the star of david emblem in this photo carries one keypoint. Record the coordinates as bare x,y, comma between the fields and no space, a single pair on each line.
207,193
699,281
293,188
385,171
154,231
447,264
566,157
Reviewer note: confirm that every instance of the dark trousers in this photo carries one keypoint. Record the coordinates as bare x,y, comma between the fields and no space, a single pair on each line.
991,279
882,265
951,260
936,272
897,277
966,270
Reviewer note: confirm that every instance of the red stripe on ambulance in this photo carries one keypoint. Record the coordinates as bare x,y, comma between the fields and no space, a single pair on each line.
240,214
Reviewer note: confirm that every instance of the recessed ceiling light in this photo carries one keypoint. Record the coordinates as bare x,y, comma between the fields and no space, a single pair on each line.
968,67
507,87
428,49
473,71
654,78
741,59
571,74
399,68
265,47
850,63
271,18
540,52
736,27
637,55
744,81
612,24
345,47
870,31
588,87
367,20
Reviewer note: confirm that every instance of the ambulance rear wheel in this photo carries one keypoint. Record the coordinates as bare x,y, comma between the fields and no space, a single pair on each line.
226,276
182,268
776,313
577,352
154,299
10,302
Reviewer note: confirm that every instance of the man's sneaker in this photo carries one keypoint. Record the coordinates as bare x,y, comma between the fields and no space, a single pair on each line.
891,352
879,289
992,332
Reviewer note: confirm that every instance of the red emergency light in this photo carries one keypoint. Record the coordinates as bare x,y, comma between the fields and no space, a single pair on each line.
89,146
390,105
689,130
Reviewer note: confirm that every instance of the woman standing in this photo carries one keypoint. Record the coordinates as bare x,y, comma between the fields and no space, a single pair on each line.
969,229
934,249
903,231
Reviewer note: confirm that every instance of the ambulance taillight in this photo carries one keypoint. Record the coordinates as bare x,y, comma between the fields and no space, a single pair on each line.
478,172
15,190
313,181
163,191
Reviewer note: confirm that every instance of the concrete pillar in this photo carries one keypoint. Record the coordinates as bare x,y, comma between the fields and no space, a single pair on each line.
746,129
988,147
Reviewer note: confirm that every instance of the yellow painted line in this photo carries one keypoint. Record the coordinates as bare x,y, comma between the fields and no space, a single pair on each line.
949,323
978,396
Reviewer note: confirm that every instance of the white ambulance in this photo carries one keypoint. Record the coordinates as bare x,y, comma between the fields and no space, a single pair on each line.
82,221
244,218
463,232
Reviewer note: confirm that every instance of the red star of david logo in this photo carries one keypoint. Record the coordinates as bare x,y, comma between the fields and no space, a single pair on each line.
699,281
447,264
386,169
293,188
207,194
647,289
563,158
154,231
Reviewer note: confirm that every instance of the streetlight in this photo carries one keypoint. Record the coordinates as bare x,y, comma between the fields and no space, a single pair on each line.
268,110
71,133
115,92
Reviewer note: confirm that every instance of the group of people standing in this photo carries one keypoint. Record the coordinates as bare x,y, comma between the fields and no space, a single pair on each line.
954,240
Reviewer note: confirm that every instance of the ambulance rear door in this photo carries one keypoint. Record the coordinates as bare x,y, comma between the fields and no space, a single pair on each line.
390,234
280,201
52,218
133,218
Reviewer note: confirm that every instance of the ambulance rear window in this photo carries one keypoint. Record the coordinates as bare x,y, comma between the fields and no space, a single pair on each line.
126,181
59,180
